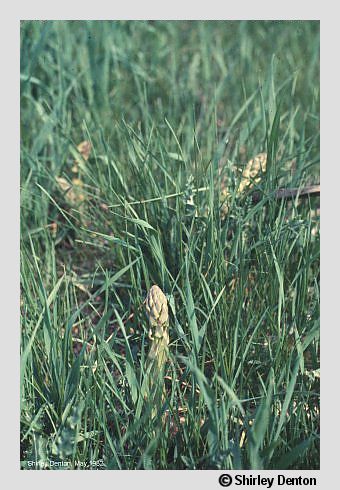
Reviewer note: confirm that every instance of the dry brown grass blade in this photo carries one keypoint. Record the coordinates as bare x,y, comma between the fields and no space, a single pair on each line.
310,190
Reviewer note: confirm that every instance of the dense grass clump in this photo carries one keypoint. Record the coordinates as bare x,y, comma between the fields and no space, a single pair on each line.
171,112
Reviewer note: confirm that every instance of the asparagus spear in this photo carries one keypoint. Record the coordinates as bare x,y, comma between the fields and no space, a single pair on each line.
157,311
